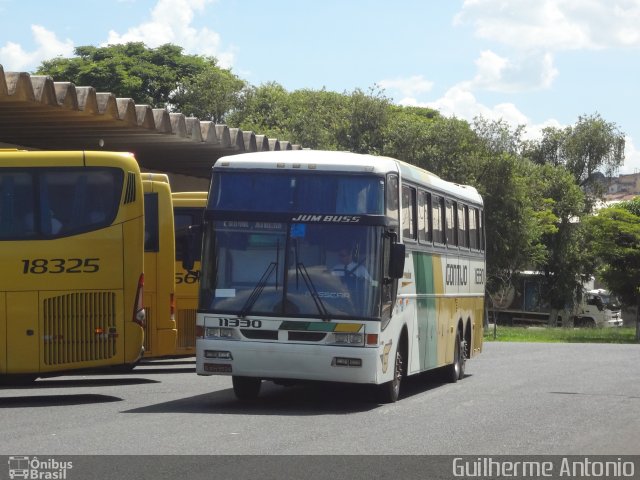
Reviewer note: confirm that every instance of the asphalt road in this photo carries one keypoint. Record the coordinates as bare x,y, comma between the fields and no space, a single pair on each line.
565,399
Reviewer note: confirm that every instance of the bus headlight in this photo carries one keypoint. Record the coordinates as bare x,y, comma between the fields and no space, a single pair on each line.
218,332
348,338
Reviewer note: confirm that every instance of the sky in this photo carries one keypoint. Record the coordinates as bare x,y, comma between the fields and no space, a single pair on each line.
528,62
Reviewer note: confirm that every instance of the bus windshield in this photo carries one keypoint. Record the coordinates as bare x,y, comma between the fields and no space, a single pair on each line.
298,192
295,269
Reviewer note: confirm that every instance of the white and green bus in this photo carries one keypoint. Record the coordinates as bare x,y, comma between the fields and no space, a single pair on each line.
337,267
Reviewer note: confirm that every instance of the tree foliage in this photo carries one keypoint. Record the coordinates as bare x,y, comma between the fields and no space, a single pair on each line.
537,193
160,77
209,95
589,150
615,240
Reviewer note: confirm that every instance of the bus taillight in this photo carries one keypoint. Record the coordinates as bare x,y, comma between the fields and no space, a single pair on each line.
172,307
139,315
199,331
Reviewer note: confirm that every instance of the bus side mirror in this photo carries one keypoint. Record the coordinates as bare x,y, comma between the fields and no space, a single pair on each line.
396,260
188,244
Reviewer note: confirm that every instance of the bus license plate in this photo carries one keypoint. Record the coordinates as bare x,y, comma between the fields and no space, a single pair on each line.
217,367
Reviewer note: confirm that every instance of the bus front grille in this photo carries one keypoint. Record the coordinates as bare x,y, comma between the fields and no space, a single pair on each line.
79,327
186,328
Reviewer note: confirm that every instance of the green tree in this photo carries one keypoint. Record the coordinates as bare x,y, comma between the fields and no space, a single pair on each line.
590,149
362,122
265,109
615,240
148,75
533,213
567,265
209,95
445,146
315,118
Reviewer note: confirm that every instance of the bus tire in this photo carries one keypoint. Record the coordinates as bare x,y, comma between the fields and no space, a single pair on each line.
455,371
246,388
389,392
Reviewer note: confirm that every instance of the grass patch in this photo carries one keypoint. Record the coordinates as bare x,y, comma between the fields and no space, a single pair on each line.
561,335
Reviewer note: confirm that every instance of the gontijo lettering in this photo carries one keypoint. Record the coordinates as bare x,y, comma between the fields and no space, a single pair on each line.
457,274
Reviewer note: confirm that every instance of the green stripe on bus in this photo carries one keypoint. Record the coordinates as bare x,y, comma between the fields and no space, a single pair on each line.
423,265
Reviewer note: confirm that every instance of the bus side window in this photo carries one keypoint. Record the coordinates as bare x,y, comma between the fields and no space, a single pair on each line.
408,213
392,200
424,230
151,229
463,220
480,230
437,217
450,224
474,244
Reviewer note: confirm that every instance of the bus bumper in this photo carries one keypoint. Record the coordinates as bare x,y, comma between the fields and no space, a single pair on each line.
289,361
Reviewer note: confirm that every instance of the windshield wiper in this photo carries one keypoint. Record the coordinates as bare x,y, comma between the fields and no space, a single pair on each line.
257,290
324,313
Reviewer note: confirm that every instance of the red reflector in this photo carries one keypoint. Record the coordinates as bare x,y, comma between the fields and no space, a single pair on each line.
372,338
199,331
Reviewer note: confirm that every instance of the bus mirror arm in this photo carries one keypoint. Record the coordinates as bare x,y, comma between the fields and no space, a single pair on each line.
396,260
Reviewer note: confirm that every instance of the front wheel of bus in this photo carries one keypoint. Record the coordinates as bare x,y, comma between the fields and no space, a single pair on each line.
246,388
390,392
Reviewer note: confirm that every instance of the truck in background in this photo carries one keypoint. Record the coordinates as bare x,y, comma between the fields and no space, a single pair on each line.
523,303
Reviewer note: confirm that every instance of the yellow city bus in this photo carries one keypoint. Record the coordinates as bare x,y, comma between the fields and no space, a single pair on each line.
71,234
159,252
188,208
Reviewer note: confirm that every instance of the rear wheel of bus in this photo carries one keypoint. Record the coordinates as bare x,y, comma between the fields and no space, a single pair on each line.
246,388
455,371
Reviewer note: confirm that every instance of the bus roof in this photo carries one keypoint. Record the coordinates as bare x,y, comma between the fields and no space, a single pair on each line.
309,159
63,158
189,199
345,162
189,195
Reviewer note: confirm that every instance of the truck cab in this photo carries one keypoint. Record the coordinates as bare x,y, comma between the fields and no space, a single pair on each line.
599,308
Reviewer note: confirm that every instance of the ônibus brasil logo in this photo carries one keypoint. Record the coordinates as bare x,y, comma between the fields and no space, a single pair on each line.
34,468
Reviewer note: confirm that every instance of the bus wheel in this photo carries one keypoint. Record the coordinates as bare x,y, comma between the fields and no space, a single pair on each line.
246,388
390,392
455,371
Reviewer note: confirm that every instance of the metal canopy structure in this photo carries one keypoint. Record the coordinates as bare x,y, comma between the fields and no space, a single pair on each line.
38,113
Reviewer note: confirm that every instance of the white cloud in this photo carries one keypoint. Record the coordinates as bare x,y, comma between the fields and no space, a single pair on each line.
459,101
410,86
532,31
171,22
632,157
13,57
554,25
527,72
